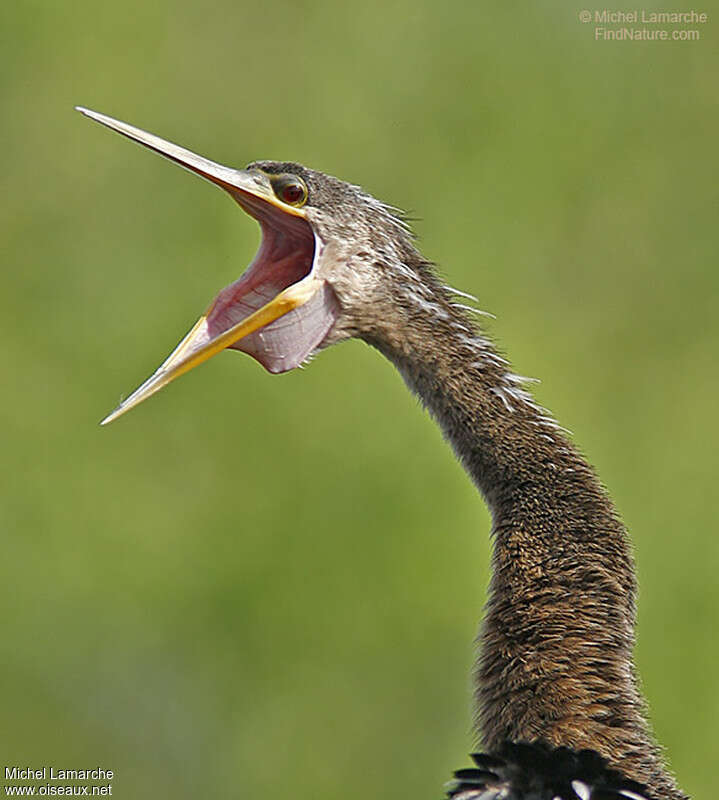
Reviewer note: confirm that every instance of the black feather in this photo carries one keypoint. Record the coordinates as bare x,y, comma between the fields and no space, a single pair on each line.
537,772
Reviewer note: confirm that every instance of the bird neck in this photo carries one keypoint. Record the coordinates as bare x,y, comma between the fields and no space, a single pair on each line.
556,645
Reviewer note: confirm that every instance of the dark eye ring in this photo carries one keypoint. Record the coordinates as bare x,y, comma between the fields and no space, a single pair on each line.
290,190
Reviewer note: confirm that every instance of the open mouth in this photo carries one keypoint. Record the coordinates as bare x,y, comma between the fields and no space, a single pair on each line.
286,257
279,311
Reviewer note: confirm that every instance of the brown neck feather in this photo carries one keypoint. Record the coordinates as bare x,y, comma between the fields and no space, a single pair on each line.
556,659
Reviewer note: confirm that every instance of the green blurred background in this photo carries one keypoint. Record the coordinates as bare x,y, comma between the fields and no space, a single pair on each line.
259,585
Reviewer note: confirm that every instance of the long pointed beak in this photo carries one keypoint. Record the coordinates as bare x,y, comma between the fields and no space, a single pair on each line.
196,347
248,188
242,184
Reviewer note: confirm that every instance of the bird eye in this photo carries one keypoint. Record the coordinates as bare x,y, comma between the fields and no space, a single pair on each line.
290,189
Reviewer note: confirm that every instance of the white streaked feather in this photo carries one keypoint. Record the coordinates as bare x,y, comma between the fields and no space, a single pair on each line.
582,790
474,310
509,391
498,391
460,294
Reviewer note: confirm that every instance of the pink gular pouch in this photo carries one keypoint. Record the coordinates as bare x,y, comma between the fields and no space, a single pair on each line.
279,311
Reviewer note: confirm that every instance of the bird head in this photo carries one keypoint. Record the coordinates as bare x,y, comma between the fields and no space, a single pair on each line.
319,275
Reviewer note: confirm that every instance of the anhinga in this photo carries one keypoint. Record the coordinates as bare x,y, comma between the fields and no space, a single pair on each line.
559,711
